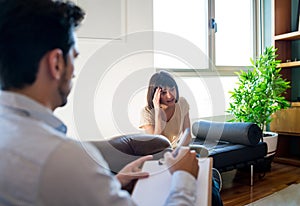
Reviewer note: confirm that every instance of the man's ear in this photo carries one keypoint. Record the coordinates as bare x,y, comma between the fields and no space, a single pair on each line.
56,63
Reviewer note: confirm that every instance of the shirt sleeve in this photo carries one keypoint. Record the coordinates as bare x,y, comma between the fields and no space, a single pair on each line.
78,175
147,117
184,106
183,190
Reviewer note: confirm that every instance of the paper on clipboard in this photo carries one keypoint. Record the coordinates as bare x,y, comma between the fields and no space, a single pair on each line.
155,189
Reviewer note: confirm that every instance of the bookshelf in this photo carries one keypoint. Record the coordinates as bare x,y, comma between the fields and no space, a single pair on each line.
285,121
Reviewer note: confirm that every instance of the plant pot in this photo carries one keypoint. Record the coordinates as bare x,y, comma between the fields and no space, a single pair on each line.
271,139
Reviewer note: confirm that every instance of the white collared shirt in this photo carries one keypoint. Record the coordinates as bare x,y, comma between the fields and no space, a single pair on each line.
39,165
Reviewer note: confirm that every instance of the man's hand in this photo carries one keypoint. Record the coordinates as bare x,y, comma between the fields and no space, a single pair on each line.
185,160
132,171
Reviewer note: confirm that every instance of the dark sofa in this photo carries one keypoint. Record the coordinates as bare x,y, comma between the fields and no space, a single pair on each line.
233,145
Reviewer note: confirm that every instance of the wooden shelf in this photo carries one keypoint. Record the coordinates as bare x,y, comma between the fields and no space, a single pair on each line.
286,125
288,36
289,64
285,152
288,160
295,104
288,133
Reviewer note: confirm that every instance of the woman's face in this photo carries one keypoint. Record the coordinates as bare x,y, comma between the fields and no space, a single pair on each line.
168,96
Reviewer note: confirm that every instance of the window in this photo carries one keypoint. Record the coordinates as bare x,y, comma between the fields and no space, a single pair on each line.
228,42
186,23
235,34
224,31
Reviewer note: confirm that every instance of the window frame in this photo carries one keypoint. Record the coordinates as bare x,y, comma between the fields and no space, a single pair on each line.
214,70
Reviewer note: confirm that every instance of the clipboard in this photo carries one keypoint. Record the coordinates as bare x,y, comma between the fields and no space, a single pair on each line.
155,189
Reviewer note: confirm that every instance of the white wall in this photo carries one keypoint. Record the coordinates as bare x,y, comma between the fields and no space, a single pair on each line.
112,75
111,72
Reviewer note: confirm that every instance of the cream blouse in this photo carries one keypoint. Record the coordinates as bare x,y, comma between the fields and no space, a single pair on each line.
173,127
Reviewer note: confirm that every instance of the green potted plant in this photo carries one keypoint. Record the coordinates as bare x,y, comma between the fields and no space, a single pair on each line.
259,93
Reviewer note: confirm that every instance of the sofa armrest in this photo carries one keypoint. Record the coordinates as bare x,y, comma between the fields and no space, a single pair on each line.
121,150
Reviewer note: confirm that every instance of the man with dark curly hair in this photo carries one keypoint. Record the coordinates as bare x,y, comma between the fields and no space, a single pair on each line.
39,164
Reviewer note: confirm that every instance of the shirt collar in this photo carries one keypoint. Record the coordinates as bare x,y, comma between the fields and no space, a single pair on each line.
29,107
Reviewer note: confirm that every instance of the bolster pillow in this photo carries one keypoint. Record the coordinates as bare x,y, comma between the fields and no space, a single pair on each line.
245,133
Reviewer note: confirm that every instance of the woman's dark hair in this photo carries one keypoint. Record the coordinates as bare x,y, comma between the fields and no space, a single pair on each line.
160,79
28,30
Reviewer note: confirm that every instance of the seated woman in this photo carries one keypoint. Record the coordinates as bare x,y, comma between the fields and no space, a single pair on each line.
166,113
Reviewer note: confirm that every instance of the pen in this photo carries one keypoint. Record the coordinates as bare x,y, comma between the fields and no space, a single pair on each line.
176,151
161,161
182,140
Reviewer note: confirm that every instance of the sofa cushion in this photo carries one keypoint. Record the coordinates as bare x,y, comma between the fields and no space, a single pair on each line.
244,133
228,156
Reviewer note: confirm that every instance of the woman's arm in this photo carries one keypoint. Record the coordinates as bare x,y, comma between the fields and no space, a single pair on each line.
187,124
159,124
159,114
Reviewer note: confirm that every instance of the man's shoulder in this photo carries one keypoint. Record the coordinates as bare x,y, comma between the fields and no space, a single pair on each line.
38,141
